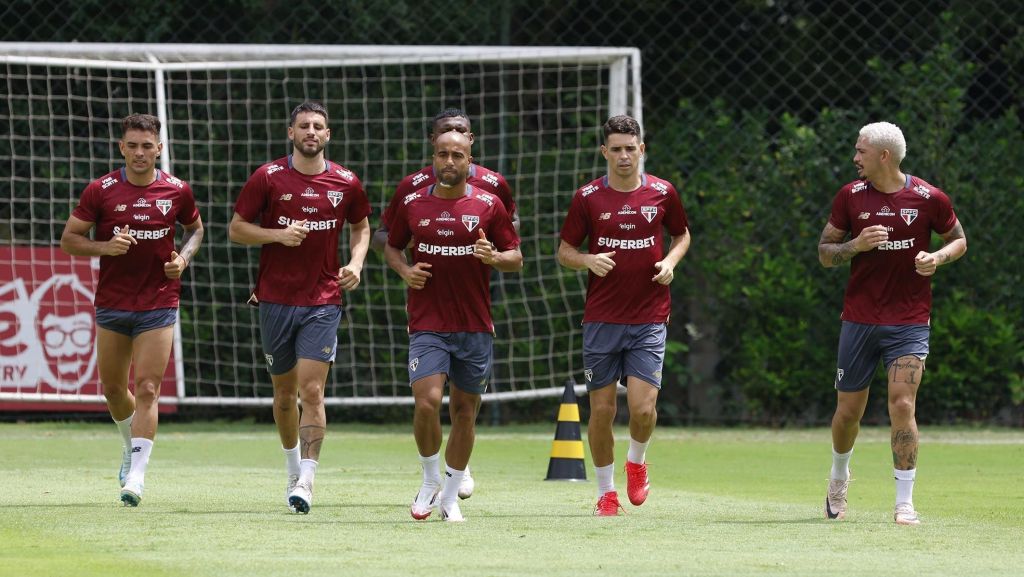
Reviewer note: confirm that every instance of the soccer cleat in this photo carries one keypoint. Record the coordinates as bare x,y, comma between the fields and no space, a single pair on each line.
131,493
638,486
292,481
835,500
467,485
450,512
301,497
424,502
126,465
905,515
608,505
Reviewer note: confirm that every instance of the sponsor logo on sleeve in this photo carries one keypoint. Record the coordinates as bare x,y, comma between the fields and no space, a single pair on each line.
346,174
491,180
410,197
486,198
163,205
649,212
470,221
858,187
416,180
108,182
274,168
588,189
175,181
660,187
923,191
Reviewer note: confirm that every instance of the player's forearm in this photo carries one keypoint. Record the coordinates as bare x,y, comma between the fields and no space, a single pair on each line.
835,254
251,234
678,249
570,257
190,242
80,245
951,251
509,261
359,241
396,260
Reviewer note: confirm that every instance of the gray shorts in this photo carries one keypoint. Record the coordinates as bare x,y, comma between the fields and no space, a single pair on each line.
465,357
612,351
861,345
289,333
131,323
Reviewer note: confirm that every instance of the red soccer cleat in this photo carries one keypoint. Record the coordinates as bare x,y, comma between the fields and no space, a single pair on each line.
637,484
608,505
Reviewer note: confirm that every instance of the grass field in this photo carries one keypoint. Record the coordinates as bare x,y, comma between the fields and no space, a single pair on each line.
723,502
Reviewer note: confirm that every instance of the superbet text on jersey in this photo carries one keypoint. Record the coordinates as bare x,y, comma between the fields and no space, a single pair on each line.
480,178
631,224
135,280
457,296
278,195
884,288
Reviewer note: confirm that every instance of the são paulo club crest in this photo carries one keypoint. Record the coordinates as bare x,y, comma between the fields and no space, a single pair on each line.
470,221
649,212
163,205
908,215
335,197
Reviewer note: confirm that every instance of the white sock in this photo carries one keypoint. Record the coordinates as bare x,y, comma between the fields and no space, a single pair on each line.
291,460
452,480
605,478
125,428
431,472
904,485
637,451
840,465
307,470
142,448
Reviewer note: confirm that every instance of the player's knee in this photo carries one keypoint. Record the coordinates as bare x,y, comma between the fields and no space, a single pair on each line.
147,389
902,406
286,401
114,393
602,412
643,414
427,404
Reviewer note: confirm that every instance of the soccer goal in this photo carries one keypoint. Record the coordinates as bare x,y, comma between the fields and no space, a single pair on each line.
536,114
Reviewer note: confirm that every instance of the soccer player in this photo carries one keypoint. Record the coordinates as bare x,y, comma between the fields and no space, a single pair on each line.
479,177
628,303
889,217
459,233
294,208
134,211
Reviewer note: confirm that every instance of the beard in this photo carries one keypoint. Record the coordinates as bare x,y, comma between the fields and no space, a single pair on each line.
304,150
450,179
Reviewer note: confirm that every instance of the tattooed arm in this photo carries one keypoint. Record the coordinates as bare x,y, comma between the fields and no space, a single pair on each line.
832,251
954,247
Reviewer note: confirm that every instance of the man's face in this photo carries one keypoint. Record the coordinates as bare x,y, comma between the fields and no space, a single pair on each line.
67,344
623,153
140,150
868,159
451,158
459,124
309,134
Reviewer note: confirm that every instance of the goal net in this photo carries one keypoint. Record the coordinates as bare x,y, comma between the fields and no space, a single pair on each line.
536,114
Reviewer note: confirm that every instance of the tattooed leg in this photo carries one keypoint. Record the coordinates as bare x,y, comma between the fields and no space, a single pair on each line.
904,380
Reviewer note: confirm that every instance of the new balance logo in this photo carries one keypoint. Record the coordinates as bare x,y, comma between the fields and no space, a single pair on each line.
136,449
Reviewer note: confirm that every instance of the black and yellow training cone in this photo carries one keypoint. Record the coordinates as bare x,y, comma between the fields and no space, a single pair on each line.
567,450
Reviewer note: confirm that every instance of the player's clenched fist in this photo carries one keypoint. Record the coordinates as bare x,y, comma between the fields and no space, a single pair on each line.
294,233
176,266
601,263
120,242
349,277
416,275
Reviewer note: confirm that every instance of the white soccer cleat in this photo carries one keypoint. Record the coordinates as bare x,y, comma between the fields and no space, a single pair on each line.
835,500
451,513
131,493
126,465
301,497
292,481
424,502
905,515
467,485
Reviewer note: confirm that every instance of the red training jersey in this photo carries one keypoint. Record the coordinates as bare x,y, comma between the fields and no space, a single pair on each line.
884,287
629,223
479,178
278,195
457,297
135,281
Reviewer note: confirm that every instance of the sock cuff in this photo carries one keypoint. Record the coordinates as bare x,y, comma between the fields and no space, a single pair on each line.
837,454
141,442
907,475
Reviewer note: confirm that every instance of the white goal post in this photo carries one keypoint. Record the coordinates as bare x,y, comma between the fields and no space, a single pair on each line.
536,114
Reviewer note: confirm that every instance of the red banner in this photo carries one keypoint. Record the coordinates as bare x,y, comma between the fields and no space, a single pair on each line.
48,330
